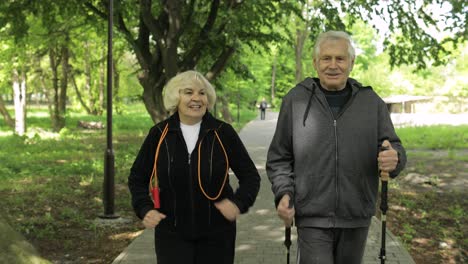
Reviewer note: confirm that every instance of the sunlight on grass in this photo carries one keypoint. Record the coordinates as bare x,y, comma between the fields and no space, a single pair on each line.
86,180
126,235
38,114
6,133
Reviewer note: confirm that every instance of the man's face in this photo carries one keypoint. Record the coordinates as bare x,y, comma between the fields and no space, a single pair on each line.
333,64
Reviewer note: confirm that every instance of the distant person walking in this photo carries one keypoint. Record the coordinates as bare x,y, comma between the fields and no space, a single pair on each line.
185,162
263,106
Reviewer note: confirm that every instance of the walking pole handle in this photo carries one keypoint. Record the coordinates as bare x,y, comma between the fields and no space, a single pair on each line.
385,175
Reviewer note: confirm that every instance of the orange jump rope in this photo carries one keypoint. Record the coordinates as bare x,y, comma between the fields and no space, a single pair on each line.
154,186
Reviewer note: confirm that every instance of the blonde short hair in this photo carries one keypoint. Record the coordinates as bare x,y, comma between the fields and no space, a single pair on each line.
334,35
171,95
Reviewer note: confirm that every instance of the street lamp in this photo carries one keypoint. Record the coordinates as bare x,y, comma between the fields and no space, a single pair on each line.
108,196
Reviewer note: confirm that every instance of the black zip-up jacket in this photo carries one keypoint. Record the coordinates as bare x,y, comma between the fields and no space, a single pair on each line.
329,164
188,211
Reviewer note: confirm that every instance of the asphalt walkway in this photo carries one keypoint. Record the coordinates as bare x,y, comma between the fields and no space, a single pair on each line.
260,234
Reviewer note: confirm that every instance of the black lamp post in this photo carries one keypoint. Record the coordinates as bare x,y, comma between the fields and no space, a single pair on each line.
109,196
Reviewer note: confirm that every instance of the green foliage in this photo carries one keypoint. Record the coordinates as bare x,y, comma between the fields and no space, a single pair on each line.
373,69
365,38
260,33
408,232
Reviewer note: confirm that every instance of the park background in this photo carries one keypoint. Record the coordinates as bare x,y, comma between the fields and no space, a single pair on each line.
53,103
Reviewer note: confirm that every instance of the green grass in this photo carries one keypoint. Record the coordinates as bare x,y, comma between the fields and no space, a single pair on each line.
434,137
424,220
245,116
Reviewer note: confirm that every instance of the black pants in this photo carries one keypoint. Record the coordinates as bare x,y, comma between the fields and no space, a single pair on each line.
262,114
217,248
331,245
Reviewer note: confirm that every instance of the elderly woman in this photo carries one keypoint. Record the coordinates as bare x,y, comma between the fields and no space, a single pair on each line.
179,180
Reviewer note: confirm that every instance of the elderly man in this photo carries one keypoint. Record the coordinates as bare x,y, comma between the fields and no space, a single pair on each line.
325,155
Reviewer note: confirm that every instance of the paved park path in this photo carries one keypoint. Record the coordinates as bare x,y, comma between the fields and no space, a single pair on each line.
260,232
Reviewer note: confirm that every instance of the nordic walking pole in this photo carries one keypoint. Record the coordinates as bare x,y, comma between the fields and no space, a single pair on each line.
287,235
384,176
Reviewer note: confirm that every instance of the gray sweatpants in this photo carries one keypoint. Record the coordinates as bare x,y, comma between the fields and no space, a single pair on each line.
331,245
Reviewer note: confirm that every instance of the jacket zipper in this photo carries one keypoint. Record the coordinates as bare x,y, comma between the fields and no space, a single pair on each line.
336,149
336,171
350,100
336,155
191,184
191,188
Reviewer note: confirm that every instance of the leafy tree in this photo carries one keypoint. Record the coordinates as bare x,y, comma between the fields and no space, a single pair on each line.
15,59
62,48
251,41
172,36
408,25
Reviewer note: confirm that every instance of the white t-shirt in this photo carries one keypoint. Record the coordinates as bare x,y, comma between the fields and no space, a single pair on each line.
190,133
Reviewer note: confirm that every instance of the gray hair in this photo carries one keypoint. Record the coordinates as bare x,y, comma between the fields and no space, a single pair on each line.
334,35
171,95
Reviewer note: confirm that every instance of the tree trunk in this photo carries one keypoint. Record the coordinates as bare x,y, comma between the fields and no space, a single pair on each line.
78,94
59,86
102,86
273,79
54,109
225,109
63,86
302,33
88,82
45,90
158,50
19,95
153,85
301,36
116,88
87,73
6,115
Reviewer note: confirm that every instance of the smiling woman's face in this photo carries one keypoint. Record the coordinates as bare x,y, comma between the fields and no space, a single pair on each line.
192,104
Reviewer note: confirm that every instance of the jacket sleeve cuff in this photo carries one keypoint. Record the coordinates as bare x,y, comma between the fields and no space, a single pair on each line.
280,195
242,209
398,168
143,211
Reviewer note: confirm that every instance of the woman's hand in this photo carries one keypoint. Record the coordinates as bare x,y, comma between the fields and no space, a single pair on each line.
229,210
152,218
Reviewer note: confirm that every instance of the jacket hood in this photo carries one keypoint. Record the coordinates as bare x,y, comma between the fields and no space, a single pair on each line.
312,83
309,84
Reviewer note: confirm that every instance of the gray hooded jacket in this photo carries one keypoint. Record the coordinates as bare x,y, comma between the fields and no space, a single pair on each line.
329,165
